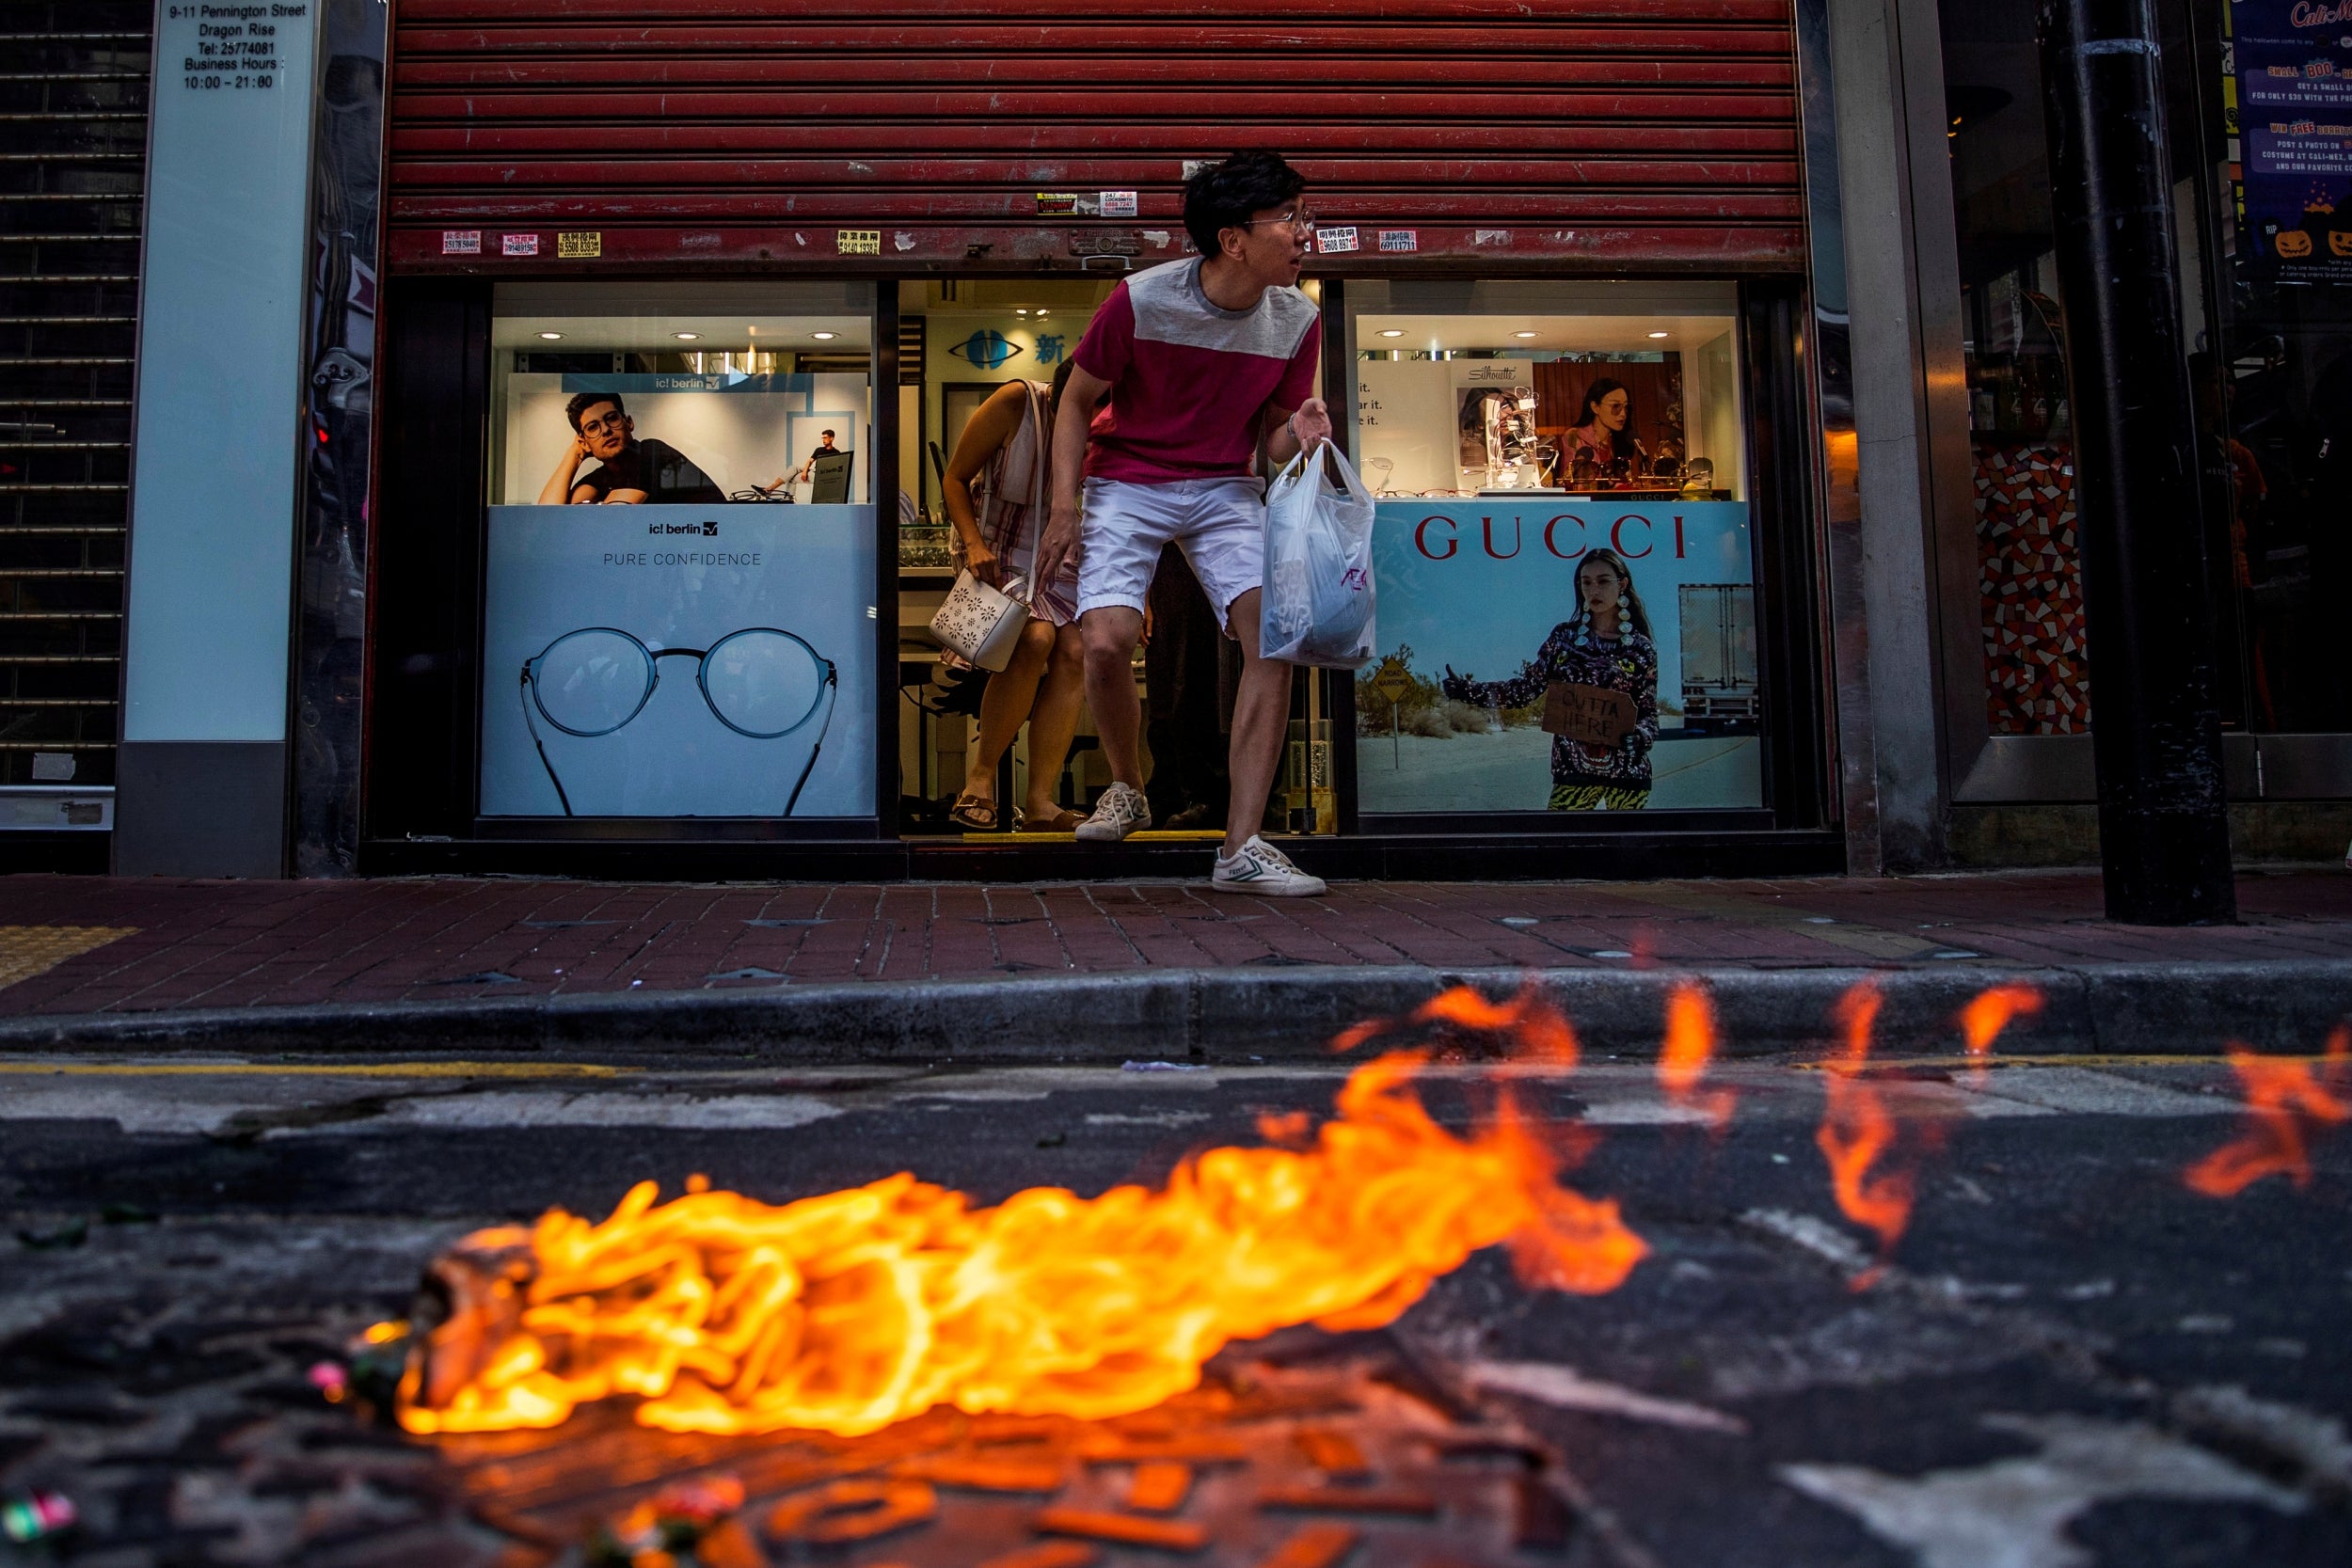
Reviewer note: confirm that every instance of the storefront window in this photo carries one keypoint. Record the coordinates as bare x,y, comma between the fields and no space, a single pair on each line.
2256,91
681,560
2028,557
1564,553
2274,383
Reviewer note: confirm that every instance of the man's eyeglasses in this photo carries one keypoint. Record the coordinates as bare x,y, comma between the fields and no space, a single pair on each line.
1297,221
762,682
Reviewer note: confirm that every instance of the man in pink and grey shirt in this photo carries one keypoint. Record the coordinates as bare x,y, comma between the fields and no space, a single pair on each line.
1208,364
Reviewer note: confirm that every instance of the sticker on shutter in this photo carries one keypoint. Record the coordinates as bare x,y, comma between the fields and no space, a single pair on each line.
1330,240
857,241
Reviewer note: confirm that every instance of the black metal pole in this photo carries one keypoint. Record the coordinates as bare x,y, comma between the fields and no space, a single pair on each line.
2156,730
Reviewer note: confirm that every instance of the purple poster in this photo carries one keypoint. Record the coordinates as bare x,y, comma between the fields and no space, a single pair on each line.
2294,66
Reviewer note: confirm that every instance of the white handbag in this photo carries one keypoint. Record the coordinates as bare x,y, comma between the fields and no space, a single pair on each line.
980,623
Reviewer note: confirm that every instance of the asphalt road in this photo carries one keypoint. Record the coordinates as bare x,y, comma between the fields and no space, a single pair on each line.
2072,1359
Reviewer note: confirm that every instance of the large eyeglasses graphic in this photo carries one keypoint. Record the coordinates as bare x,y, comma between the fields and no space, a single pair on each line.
761,682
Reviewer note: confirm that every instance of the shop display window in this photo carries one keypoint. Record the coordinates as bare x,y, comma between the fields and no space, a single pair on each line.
681,394
681,580
2259,178
2272,371
1563,550
2012,326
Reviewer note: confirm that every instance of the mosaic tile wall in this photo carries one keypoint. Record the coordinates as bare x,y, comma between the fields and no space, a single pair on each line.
2029,580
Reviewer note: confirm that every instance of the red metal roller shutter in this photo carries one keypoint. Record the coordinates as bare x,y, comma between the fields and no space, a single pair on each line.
1652,134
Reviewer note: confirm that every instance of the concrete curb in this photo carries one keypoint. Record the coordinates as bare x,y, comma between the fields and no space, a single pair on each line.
1237,1015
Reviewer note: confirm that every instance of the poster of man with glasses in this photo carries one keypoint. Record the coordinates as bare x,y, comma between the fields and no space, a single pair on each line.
618,466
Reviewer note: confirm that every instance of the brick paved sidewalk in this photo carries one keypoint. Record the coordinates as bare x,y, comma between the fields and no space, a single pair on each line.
80,945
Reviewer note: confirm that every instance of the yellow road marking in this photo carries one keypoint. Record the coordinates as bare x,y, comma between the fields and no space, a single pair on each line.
1143,835
29,950
321,1069
2080,1059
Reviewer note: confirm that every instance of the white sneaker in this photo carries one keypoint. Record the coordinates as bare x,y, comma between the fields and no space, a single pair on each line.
1260,867
1121,810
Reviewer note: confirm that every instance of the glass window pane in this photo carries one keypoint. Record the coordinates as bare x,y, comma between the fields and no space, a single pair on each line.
2029,569
2274,383
1563,548
681,594
725,393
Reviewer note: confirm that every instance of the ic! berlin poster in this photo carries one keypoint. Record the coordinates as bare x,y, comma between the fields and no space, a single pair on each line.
680,662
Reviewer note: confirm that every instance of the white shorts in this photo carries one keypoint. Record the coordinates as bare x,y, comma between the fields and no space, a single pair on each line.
1219,523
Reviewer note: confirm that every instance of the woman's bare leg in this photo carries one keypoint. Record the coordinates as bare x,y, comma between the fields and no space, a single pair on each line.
1005,707
1054,718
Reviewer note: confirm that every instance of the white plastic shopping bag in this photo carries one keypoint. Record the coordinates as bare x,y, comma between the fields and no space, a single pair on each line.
1317,604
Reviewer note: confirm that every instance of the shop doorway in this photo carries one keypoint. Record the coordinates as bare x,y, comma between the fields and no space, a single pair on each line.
976,770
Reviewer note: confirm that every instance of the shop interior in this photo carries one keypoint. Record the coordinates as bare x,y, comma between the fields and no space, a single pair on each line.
740,380
1478,388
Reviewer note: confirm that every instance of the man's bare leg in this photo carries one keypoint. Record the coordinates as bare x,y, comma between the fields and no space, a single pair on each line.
1261,713
1109,633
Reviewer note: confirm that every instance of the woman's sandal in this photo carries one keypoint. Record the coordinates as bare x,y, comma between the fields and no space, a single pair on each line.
972,812
1062,821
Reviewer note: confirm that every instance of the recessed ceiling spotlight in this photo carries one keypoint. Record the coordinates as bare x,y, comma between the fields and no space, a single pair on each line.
1045,313
553,337
825,337
1021,311
686,336
1522,333
1661,334
1392,332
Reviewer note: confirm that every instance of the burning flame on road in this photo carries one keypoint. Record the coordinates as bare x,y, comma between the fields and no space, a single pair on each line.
851,1310
1683,1055
2286,1103
1536,1028
1858,1132
1989,1013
